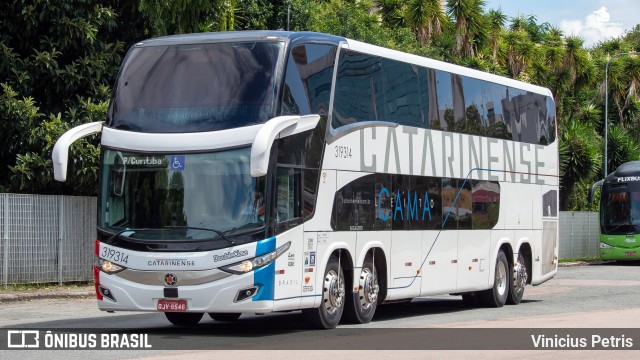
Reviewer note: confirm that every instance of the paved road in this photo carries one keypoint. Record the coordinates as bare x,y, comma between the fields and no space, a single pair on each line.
602,296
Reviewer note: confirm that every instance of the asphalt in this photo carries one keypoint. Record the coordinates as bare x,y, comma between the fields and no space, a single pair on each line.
88,291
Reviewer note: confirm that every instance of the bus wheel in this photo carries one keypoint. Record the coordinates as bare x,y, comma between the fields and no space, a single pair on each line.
328,315
224,316
497,295
520,278
362,304
183,318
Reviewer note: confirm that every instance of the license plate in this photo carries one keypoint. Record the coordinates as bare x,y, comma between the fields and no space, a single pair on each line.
172,305
630,253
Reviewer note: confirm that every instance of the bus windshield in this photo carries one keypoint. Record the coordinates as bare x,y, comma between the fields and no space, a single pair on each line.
175,197
192,88
620,212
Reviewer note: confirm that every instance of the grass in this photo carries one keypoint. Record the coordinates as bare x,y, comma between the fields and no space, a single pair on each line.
594,258
45,286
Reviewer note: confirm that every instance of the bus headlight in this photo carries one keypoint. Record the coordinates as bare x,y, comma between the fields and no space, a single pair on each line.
257,262
108,267
605,246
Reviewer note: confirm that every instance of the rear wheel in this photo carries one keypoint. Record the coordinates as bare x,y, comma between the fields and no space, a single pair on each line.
328,315
497,295
183,318
361,306
224,316
520,277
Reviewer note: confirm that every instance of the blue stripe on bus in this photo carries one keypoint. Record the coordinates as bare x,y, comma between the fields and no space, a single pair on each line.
265,276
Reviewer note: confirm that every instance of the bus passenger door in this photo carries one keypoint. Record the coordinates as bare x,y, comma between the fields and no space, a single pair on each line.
289,228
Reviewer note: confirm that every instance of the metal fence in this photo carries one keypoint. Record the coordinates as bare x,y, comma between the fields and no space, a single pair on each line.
46,238
579,234
51,238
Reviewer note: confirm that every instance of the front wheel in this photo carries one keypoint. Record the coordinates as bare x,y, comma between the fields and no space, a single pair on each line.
361,306
328,315
497,295
520,277
183,318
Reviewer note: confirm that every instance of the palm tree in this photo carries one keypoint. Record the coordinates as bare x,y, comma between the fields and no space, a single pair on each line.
580,157
519,51
622,147
623,83
426,19
469,24
391,12
495,21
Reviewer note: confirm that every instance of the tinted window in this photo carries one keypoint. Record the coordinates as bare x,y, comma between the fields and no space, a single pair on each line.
383,198
456,204
288,193
486,204
422,97
444,99
354,205
358,90
308,80
402,93
190,88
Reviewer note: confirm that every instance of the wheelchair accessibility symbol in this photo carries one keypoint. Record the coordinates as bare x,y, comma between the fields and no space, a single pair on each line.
177,162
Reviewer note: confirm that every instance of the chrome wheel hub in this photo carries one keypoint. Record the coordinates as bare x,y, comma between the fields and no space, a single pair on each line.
333,294
520,276
368,288
501,278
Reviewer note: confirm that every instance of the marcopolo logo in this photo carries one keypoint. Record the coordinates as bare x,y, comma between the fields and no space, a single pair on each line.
230,255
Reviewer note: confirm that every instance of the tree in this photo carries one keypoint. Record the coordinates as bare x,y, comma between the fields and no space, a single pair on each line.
56,67
391,12
622,148
469,24
178,16
580,157
495,21
426,19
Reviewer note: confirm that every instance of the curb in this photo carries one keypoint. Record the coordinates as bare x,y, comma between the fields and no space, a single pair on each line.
14,297
582,263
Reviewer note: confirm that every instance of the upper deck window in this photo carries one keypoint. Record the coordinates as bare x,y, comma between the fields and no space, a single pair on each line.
192,88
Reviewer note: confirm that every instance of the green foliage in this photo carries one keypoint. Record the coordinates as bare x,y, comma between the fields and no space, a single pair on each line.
59,58
580,157
57,64
621,148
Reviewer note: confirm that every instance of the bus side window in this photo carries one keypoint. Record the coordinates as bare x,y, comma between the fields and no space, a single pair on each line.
288,198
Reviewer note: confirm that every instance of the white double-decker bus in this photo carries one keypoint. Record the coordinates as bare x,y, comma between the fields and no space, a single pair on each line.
253,172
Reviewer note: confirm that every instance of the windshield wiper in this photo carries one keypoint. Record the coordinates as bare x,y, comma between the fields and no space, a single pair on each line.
220,233
132,230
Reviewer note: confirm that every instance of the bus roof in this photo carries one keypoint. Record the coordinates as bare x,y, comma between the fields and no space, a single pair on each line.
625,173
299,37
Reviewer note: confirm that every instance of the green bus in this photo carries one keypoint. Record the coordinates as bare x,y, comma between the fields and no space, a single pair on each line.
620,213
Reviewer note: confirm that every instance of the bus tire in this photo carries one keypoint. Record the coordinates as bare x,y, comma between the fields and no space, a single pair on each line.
497,295
361,306
224,316
183,318
520,277
329,313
